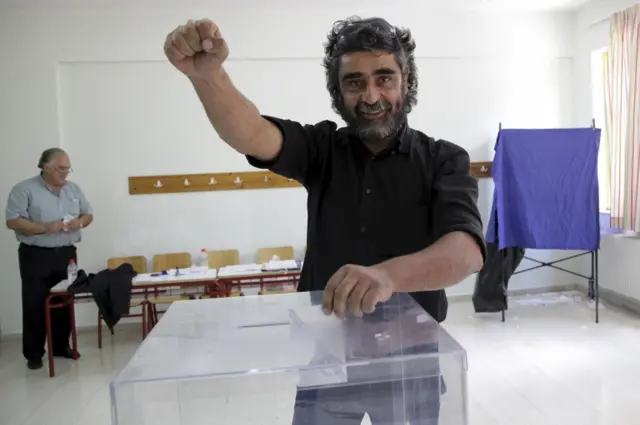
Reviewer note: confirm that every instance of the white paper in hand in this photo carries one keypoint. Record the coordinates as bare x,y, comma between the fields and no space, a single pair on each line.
327,332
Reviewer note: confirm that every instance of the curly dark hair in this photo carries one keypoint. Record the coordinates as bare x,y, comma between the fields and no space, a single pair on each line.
357,35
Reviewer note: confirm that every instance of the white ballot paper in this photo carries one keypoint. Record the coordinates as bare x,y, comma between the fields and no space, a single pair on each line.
327,366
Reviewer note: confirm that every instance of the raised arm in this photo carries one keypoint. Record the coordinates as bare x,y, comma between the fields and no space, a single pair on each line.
198,50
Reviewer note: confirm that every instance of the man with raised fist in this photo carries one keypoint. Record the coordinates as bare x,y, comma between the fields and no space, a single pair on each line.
389,208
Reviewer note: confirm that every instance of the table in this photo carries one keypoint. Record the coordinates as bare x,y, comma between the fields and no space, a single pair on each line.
224,280
60,297
253,275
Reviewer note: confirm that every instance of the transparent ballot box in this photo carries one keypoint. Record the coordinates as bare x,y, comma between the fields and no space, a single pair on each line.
277,359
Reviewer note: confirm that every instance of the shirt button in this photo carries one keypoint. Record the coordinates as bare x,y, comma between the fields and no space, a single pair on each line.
363,229
368,191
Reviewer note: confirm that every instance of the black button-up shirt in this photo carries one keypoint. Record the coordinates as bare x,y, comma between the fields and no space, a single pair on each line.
364,209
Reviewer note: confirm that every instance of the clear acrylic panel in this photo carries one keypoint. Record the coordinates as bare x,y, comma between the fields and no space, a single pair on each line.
277,359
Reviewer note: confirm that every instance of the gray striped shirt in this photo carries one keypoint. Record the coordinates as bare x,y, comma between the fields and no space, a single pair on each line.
34,200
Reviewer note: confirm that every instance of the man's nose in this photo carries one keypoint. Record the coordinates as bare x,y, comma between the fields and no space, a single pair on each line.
371,95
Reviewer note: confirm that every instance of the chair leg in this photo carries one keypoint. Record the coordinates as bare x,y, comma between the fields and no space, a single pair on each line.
99,330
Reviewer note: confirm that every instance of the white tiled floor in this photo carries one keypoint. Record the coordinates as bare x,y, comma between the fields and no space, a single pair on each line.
549,364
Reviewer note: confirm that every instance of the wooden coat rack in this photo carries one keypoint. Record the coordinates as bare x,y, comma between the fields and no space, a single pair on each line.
180,183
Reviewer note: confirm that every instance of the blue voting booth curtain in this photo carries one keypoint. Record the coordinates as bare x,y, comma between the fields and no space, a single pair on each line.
546,189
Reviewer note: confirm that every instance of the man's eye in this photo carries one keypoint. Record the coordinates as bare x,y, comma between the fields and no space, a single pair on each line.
384,80
354,84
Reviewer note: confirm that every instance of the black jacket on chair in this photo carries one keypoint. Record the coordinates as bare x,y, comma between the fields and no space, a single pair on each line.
111,290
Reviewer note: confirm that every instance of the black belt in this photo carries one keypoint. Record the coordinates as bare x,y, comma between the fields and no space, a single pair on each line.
47,248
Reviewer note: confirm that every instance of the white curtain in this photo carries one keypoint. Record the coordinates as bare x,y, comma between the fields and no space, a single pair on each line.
622,118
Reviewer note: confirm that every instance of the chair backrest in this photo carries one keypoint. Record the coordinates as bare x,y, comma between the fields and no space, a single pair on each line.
171,261
222,258
282,252
139,262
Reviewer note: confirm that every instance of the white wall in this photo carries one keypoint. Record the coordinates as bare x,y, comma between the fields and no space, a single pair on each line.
619,269
96,84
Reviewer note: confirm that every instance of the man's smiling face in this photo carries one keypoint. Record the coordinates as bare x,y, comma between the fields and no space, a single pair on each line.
374,92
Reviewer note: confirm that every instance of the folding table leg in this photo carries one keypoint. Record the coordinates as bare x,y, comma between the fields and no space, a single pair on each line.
593,291
47,321
74,331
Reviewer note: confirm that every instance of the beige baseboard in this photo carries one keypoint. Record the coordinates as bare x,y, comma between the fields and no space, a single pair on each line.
518,292
615,299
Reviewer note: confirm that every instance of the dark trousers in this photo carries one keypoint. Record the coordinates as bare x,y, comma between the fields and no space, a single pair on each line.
41,269
414,401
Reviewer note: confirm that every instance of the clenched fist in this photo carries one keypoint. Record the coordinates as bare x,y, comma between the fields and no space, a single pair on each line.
197,48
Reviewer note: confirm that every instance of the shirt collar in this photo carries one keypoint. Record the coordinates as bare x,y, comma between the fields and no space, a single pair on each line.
405,135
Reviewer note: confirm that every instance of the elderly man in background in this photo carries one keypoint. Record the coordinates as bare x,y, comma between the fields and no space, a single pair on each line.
47,213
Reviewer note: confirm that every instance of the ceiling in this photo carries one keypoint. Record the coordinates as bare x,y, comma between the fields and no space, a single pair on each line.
500,5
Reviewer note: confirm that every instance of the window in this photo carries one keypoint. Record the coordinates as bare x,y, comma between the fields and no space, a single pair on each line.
598,81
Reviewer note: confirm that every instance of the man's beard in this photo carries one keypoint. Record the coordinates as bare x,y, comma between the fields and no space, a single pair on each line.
377,129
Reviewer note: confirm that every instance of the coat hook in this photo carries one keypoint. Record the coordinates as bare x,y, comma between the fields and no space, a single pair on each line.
483,169
158,184
212,181
266,179
187,182
290,180
237,180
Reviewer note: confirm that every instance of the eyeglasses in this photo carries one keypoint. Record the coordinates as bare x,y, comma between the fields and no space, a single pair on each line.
63,170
